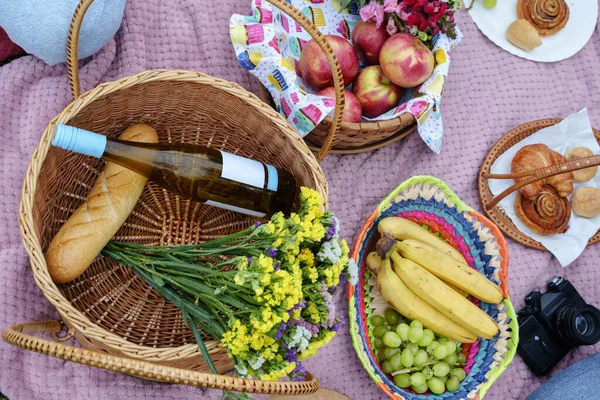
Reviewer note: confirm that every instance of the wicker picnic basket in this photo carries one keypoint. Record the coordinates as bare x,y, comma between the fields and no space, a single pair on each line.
429,202
122,323
347,138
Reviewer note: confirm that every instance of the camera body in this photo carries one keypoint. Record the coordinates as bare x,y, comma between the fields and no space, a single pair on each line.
553,323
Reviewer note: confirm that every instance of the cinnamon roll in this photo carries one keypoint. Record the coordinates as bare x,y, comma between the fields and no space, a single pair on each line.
546,214
547,16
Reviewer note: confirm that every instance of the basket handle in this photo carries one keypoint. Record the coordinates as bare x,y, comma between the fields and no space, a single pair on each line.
20,335
338,80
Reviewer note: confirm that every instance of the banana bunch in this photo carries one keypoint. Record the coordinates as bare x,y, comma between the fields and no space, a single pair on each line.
426,279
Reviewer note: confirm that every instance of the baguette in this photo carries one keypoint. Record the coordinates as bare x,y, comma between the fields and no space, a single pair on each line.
97,220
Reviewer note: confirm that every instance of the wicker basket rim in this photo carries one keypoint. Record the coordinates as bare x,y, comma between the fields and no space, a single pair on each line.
72,316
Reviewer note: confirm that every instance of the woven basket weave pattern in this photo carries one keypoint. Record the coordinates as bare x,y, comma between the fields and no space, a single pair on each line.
424,200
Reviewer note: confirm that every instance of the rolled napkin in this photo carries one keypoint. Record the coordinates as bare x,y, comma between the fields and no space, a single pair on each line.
547,16
8,49
41,27
546,214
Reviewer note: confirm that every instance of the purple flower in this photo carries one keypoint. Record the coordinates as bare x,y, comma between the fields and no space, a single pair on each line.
299,373
257,224
272,253
297,307
280,330
329,304
343,280
250,260
277,266
291,355
332,229
314,329
337,325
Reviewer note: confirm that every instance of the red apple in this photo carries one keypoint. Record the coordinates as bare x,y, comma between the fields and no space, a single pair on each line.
352,107
377,95
406,60
315,69
368,40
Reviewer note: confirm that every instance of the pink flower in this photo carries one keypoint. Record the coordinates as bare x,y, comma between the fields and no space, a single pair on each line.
402,13
372,12
391,27
390,6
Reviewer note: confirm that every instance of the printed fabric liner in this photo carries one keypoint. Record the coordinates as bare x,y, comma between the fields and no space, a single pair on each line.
269,43
429,201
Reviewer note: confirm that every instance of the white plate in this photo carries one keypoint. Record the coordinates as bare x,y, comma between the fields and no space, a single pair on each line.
566,43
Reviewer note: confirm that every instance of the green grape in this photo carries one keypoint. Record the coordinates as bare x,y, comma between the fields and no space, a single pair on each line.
415,334
442,340
458,373
407,358
451,359
444,378
379,331
452,384
427,372
391,339
390,352
417,379
436,386
451,346
440,352
489,3
377,343
431,346
387,368
413,347
381,354
402,331
393,328
420,358
461,358
396,362
416,324
441,369
420,389
402,380
391,316
428,337
377,320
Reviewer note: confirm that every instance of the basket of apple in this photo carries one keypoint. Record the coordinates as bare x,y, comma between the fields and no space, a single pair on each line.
391,58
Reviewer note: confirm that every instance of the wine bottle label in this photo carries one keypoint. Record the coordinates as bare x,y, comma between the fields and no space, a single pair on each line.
234,208
250,172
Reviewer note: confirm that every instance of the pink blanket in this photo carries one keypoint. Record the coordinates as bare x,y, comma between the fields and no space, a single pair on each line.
489,92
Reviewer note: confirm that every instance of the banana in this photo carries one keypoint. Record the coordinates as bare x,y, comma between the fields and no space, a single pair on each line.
403,300
402,229
450,271
435,292
374,264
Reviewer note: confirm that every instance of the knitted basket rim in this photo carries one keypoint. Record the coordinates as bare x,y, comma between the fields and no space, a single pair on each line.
434,196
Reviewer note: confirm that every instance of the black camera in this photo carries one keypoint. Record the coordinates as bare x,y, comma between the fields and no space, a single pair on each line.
554,323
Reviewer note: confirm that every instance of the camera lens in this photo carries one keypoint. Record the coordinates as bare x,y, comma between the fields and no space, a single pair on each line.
579,325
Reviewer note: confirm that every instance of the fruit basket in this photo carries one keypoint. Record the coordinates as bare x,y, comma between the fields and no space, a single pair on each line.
122,323
269,43
430,202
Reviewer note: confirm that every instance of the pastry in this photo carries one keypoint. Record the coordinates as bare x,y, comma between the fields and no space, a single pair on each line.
547,16
536,156
96,221
547,214
582,175
586,202
523,35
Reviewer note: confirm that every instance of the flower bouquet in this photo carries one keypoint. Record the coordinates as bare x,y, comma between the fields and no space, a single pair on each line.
422,18
266,292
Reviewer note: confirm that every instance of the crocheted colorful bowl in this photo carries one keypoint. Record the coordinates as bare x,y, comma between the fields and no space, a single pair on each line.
430,202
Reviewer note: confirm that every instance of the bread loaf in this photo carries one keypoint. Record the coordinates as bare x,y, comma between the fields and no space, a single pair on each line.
582,175
523,35
95,222
586,202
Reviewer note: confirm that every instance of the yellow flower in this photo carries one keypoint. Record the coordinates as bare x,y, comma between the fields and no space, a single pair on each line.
296,314
280,373
307,257
312,348
236,340
313,312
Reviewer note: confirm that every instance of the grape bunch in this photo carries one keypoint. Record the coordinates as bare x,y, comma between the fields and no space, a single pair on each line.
415,357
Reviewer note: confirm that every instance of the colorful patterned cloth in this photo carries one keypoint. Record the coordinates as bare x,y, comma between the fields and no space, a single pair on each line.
268,44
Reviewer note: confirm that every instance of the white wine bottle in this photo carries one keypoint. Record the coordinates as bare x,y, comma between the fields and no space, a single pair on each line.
211,176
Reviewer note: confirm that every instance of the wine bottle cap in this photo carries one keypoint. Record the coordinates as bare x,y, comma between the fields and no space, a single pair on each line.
79,141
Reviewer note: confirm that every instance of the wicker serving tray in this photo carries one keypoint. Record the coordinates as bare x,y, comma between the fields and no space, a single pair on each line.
497,213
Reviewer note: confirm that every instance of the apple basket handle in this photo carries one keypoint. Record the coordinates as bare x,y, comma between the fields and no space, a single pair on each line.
20,335
338,82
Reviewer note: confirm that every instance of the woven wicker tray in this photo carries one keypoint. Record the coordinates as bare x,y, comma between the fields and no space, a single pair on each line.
497,213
